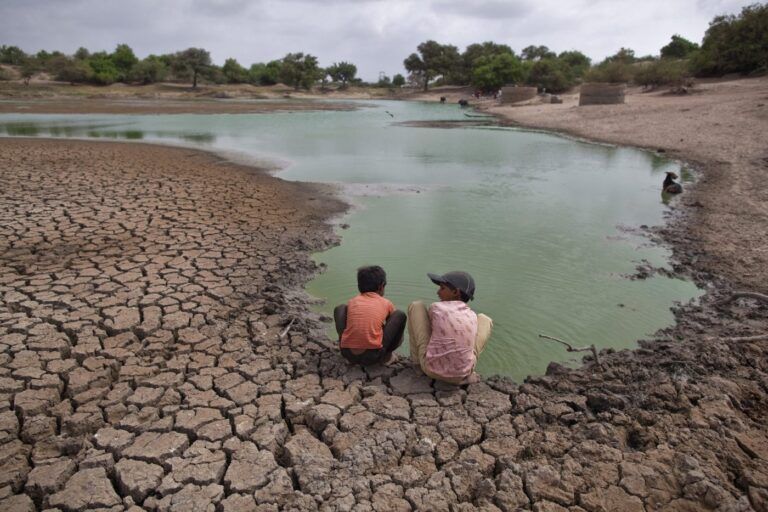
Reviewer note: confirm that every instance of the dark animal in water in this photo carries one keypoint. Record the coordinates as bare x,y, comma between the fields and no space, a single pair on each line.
670,186
442,99
463,103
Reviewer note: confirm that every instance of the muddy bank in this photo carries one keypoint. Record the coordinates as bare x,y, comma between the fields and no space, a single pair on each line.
144,360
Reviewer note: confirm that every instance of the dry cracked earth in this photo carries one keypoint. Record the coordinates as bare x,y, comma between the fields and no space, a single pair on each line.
145,294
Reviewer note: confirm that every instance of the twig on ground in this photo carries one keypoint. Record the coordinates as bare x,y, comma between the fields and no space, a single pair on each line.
288,328
571,348
758,337
741,295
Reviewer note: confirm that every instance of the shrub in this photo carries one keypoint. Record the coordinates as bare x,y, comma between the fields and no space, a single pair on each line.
615,71
149,71
549,74
671,72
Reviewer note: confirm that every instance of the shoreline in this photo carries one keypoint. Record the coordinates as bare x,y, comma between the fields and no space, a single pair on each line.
679,422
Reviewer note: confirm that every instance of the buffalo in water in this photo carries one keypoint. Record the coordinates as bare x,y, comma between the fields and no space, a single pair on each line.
463,103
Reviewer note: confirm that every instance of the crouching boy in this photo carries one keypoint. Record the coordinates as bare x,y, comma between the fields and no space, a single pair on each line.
370,328
446,340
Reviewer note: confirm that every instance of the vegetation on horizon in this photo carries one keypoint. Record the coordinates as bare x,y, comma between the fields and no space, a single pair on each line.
732,44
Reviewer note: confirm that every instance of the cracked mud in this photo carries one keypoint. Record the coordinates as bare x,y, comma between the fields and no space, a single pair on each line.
143,291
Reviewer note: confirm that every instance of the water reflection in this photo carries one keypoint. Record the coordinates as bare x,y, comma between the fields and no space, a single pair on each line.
98,131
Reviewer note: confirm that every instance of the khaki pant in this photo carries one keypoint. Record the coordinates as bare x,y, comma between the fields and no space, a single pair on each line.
420,330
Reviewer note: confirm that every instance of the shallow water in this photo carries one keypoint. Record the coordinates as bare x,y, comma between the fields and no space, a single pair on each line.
537,219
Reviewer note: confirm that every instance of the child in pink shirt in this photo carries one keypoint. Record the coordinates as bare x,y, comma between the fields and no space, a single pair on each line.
446,339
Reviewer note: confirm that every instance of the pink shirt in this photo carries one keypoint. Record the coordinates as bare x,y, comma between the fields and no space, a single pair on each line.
451,349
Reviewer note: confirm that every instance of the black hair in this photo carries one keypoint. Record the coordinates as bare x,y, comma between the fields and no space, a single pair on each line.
370,279
463,296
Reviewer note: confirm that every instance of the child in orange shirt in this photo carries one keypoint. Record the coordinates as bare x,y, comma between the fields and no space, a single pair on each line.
370,328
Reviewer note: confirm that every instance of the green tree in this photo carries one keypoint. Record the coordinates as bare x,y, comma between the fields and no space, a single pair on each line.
624,55
473,52
82,53
678,48
433,60
549,74
343,72
735,44
234,73
299,70
29,69
398,80
535,53
576,64
103,69
265,74
150,70
192,61
124,59
12,55
492,72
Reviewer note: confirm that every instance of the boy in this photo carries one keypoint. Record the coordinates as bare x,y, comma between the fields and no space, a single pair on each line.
370,328
446,341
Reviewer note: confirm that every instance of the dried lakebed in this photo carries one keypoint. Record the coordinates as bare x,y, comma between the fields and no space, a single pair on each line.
142,367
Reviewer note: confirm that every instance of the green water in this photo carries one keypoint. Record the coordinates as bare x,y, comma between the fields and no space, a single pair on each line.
537,219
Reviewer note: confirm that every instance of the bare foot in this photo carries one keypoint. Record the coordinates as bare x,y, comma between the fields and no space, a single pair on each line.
391,359
472,378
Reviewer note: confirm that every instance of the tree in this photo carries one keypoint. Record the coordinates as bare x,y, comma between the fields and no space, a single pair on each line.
193,61
82,54
29,69
492,72
124,59
678,48
398,80
576,64
735,44
150,70
299,70
624,55
433,60
474,51
549,74
343,72
234,73
103,69
12,55
534,53
72,71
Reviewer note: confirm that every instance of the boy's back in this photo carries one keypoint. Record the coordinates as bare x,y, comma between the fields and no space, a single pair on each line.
366,315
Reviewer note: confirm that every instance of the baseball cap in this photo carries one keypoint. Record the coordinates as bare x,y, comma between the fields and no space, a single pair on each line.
462,281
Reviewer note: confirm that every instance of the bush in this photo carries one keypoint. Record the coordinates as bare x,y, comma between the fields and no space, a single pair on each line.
103,70
671,72
149,71
735,44
550,75
615,72
72,71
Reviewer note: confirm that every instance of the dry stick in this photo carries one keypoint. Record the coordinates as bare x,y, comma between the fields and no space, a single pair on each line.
758,337
571,348
741,295
288,328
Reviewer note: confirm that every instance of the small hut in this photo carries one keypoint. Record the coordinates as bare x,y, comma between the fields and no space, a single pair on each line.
599,93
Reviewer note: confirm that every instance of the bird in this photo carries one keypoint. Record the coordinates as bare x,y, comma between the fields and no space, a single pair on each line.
670,186
390,113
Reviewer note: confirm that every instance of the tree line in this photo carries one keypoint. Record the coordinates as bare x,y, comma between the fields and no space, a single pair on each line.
731,44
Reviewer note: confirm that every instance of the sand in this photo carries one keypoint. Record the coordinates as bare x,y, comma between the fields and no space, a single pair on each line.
156,350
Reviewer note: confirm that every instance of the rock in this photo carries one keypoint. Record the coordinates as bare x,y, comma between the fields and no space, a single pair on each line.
312,460
543,482
320,416
137,479
249,469
156,447
391,407
45,480
88,488
17,503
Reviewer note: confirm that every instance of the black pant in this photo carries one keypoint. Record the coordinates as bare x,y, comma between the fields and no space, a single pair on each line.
394,328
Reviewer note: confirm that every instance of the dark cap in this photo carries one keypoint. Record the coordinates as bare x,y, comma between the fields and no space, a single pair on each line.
462,281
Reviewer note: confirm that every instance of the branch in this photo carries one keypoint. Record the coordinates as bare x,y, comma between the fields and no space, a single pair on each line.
571,348
739,339
741,295
288,328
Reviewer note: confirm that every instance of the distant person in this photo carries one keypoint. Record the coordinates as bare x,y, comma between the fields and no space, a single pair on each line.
446,340
370,329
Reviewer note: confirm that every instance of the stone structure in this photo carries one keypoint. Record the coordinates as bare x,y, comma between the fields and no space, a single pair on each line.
512,94
598,93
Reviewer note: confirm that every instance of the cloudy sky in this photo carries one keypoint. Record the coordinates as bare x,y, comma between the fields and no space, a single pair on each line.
376,35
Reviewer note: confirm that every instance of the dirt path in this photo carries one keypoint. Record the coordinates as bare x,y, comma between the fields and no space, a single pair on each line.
143,294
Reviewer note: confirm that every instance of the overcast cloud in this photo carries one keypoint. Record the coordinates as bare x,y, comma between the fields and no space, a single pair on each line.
376,35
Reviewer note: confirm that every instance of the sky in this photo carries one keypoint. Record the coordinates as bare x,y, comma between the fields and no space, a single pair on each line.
375,35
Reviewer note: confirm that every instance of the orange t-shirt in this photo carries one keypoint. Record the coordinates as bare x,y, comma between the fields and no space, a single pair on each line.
366,315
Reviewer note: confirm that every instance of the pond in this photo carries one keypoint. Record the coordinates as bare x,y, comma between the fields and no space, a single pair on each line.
546,225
